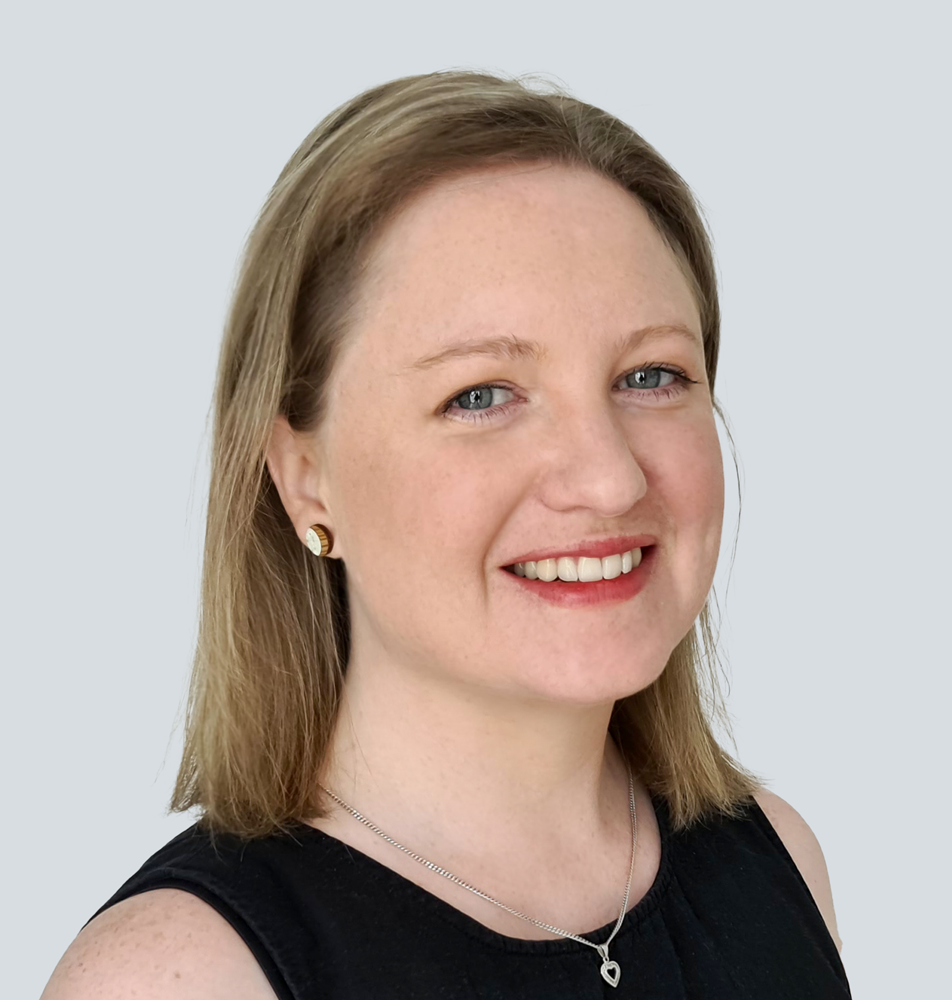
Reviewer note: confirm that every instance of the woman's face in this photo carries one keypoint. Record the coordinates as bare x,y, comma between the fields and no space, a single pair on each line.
427,506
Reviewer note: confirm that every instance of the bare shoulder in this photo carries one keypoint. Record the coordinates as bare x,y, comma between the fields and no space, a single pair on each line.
802,845
164,944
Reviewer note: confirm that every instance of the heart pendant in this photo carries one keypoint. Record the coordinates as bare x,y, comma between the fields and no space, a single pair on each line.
611,972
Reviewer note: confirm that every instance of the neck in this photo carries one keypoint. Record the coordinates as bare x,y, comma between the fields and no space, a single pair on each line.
447,764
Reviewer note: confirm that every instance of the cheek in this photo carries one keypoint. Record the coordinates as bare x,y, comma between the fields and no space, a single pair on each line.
418,526
417,515
690,482
687,470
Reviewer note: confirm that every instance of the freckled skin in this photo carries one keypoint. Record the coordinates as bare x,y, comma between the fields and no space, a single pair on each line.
161,943
427,508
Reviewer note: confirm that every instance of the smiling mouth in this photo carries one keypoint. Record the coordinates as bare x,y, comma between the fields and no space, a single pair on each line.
570,569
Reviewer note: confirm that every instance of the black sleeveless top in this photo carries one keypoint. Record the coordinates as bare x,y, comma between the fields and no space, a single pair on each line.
728,917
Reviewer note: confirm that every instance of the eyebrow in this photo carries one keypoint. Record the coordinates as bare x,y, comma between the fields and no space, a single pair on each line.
515,348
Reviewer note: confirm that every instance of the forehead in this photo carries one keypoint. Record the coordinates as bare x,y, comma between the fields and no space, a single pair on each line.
517,250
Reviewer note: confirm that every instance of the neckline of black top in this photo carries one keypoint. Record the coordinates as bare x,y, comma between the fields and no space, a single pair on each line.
504,942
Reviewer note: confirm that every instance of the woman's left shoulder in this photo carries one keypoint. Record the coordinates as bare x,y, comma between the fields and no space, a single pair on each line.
802,845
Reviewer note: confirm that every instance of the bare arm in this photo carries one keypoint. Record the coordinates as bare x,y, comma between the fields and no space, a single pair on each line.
804,848
164,944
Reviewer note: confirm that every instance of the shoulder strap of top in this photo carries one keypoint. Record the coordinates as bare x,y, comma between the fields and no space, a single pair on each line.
247,895
738,865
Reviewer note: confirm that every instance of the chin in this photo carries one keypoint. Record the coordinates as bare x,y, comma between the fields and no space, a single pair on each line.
588,680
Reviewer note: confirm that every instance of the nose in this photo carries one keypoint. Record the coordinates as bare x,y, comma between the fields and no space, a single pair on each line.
589,462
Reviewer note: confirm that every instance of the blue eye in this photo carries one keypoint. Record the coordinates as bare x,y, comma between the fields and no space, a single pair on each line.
649,380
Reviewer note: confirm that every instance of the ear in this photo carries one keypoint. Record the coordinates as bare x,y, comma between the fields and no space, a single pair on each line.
293,461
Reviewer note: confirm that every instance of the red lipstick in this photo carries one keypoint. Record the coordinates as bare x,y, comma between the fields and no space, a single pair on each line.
594,549
575,595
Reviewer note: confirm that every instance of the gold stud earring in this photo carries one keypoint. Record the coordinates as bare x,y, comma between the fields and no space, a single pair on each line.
319,539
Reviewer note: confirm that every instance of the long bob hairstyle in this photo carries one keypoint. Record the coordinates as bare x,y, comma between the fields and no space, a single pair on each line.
274,632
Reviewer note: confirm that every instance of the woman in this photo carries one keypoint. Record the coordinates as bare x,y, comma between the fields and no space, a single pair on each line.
446,729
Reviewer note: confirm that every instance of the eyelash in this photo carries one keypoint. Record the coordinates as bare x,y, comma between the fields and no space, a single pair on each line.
478,416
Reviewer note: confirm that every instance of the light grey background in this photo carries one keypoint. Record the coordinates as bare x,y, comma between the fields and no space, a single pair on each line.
140,140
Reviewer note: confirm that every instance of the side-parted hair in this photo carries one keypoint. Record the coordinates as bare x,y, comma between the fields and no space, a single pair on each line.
274,625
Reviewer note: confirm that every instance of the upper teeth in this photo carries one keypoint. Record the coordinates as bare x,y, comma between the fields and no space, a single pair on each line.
585,569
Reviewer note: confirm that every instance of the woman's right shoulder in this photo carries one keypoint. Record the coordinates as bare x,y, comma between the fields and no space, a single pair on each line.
160,944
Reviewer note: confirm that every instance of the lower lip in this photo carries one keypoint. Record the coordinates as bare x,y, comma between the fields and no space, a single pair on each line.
576,595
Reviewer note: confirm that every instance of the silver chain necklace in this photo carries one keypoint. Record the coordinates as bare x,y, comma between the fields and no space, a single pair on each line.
611,971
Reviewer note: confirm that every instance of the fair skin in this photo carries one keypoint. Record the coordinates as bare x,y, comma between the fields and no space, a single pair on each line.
474,721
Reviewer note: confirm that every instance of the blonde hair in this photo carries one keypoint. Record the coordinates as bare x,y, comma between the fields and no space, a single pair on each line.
273,635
